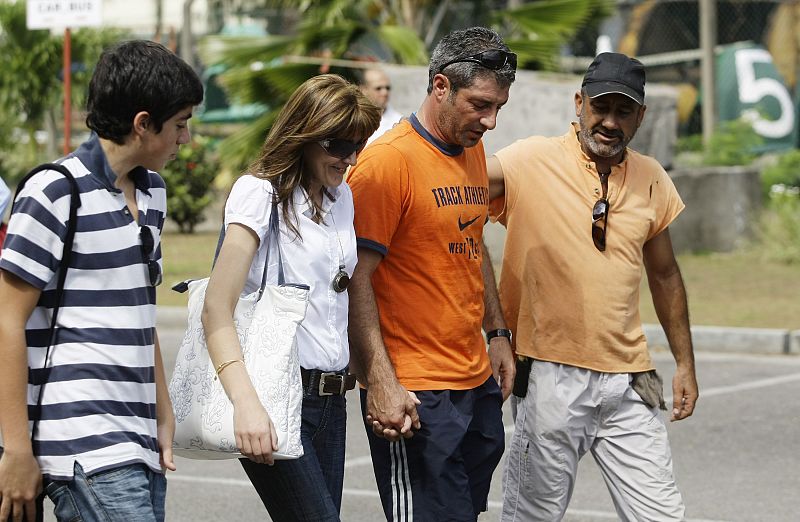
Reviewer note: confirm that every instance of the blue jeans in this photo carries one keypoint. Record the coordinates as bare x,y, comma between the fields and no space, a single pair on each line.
123,494
308,488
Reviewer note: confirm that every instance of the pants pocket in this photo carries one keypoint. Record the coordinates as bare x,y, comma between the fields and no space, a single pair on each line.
65,507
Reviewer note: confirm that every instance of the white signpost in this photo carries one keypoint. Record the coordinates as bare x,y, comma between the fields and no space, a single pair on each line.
58,14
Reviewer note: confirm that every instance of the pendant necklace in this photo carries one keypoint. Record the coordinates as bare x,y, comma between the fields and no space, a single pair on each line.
342,279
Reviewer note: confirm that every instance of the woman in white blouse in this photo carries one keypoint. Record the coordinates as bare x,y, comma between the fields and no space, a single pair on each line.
315,138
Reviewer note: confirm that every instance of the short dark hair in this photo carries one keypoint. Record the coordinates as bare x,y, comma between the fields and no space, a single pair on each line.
136,76
466,42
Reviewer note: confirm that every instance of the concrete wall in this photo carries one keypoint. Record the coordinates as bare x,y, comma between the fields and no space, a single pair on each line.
722,207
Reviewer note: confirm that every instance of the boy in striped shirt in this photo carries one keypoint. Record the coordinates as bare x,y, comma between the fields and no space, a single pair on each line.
103,416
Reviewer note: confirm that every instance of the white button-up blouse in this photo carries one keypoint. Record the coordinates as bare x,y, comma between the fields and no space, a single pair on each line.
312,259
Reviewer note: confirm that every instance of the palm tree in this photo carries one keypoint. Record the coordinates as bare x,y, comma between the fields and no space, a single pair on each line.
268,69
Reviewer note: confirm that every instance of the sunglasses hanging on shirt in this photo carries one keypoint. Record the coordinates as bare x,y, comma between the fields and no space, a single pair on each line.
148,250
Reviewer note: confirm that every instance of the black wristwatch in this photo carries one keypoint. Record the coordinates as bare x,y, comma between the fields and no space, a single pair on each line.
500,332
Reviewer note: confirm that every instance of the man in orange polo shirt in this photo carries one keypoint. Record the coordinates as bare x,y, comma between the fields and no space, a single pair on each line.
417,300
584,216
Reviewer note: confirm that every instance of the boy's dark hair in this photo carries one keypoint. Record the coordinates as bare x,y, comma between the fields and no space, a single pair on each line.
137,76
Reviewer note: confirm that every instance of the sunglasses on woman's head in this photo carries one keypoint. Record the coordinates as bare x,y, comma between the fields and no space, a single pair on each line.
339,148
494,59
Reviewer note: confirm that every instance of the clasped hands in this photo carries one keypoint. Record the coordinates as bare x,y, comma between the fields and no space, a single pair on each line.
392,411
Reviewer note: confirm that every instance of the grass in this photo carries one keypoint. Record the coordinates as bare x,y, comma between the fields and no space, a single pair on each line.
736,289
186,256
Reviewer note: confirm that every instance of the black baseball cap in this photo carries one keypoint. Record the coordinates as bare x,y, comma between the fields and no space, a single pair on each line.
615,73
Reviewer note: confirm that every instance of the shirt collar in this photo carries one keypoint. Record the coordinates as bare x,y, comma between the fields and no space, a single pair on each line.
445,148
91,154
302,201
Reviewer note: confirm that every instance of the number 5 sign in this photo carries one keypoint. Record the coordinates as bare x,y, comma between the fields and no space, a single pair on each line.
749,86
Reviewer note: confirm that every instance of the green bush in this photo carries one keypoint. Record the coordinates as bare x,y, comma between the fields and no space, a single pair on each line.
733,143
786,171
189,180
780,225
690,143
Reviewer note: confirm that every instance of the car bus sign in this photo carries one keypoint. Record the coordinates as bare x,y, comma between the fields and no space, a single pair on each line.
58,14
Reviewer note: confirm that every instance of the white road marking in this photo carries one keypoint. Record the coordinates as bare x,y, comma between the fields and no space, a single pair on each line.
351,492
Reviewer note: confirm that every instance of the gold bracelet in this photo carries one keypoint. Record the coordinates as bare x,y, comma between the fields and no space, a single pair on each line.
224,365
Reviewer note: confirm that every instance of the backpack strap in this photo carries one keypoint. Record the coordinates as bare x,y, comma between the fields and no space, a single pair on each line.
66,256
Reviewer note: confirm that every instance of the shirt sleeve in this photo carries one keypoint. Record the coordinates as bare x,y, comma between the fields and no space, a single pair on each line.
379,183
666,201
250,204
511,160
36,230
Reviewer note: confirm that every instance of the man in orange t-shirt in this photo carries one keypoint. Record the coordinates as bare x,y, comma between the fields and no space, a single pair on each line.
585,216
417,300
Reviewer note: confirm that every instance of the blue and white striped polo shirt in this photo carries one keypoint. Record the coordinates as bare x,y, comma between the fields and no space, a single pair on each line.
99,403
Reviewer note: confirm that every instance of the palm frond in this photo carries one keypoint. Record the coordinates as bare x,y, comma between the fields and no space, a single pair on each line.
403,43
238,150
239,50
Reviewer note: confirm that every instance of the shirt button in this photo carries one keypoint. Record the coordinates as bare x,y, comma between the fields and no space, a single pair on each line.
126,211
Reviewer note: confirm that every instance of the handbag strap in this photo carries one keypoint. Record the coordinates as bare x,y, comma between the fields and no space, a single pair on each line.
273,240
66,257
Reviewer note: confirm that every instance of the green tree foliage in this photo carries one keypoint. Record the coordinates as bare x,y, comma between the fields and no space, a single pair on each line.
31,87
189,178
29,69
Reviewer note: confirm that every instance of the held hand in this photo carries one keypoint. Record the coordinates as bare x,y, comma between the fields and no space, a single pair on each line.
504,368
20,483
392,434
392,411
684,393
166,434
255,434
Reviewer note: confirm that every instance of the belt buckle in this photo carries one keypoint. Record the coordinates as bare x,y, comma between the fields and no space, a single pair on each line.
323,380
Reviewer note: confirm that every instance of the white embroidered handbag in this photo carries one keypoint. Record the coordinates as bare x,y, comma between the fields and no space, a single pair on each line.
266,322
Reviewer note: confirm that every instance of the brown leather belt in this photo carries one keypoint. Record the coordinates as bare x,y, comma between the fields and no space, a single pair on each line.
327,383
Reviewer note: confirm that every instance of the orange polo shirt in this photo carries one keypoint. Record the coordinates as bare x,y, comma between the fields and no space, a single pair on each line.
424,211
565,301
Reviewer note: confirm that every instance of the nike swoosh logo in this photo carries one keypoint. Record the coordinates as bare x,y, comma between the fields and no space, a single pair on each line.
462,226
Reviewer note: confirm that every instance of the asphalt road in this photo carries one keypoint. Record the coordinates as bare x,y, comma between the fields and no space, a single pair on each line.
736,459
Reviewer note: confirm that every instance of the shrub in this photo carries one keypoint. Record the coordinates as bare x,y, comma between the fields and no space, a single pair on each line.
780,225
189,181
733,143
786,171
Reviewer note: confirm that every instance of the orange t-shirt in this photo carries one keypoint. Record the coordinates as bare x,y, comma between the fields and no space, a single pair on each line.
424,211
565,301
